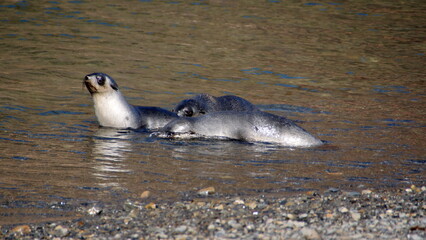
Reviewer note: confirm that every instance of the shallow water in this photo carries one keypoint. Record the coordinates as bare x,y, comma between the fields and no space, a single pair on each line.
351,73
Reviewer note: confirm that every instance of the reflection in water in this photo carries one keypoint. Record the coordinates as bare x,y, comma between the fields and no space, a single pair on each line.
109,154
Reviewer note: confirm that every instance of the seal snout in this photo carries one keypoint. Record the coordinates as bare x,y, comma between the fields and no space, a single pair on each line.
87,81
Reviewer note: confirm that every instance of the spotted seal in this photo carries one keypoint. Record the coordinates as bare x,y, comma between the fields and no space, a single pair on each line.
112,109
205,103
254,126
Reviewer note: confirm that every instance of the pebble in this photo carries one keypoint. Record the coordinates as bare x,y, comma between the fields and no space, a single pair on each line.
145,194
181,229
366,191
396,214
151,206
251,205
352,194
94,210
60,231
343,210
211,227
206,191
356,216
310,233
333,190
219,207
297,224
21,230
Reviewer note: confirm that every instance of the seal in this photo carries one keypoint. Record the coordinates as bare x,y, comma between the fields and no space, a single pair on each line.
205,103
112,109
254,126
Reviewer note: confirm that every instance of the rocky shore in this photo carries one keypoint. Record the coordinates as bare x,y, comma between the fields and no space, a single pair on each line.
334,214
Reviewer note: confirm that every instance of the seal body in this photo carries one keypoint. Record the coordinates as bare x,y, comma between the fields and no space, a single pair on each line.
112,109
205,103
254,126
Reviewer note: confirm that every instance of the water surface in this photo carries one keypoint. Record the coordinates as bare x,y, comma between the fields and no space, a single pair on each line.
350,73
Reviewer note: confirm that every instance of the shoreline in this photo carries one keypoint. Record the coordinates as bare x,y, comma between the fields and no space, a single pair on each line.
334,214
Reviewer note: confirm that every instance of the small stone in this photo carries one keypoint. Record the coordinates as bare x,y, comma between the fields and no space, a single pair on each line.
238,202
234,224
291,216
356,216
94,211
389,212
145,194
129,205
310,233
133,213
303,215
127,220
415,189
343,210
352,194
423,188
251,205
151,206
366,191
310,193
181,229
250,227
219,207
333,190
415,237
211,227
329,215
182,237
296,223
60,231
206,191
409,190
161,235
21,229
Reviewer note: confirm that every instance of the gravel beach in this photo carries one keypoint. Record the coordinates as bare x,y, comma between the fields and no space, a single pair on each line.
333,214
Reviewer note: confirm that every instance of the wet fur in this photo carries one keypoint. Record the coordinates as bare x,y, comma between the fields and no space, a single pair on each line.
205,103
112,109
254,126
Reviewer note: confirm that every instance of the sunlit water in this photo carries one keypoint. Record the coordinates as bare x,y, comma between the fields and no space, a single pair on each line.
352,74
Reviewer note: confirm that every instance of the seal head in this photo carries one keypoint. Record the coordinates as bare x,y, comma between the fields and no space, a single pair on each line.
204,103
189,108
99,82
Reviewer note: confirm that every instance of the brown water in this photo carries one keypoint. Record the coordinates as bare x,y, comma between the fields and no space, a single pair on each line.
352,73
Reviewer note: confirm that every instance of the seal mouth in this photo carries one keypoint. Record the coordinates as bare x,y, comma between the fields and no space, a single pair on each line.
92,89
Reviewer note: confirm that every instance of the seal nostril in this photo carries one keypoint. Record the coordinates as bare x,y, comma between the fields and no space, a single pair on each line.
86,78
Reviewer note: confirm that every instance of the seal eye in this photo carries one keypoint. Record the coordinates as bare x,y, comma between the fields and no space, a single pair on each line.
188,112
101,80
